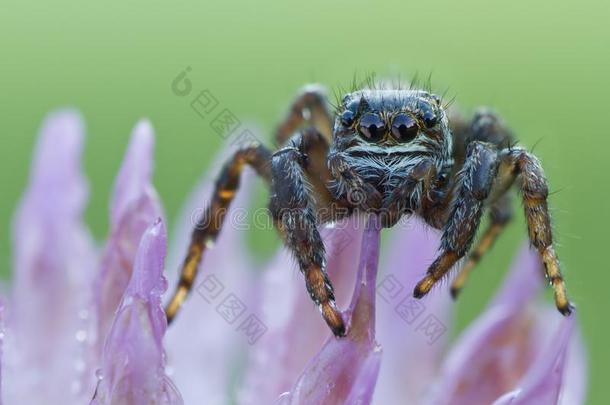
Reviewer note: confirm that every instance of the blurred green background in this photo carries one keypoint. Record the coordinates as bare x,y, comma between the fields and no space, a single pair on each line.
543,65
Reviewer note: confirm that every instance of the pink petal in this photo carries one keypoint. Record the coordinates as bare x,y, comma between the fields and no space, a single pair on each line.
202,347
345,370
493,356
574,387
135,205
543,382
292,319
135,175
413,332
524,280
53,266
133,361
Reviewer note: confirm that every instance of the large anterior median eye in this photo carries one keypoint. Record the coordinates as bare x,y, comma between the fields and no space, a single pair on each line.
371,126
404,127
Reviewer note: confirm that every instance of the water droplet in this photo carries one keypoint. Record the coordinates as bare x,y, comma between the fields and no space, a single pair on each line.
163,284
81,335
169,370
209,243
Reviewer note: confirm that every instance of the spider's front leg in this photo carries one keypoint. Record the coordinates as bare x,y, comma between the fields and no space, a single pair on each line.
293,210
209,225
474,183
500,214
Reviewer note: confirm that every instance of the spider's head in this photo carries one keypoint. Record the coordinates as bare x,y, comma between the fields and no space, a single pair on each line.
387,136
390,117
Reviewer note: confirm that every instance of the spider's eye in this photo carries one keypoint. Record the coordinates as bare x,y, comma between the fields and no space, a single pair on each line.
372,126
404,127
430,119
347,118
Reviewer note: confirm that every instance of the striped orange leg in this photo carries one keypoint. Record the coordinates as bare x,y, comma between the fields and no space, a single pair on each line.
535,192
209,225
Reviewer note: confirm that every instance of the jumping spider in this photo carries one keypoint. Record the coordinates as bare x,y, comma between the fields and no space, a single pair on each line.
389,153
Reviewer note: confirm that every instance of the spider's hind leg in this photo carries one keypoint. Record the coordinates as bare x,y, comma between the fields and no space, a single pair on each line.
209,225
310,106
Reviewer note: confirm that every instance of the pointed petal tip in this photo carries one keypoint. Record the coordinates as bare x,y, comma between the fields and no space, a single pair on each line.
63,118
135,174
134,205
62,129
133,363
524,279
57,156
346,369
546,378
150,258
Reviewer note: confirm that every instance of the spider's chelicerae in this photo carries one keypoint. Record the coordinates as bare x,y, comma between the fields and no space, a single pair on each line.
390,153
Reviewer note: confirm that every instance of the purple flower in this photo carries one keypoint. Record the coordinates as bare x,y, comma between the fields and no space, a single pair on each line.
135,205
133,360
82,327
53,265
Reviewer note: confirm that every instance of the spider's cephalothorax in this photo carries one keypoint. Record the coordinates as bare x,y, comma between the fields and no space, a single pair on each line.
388,147
387,153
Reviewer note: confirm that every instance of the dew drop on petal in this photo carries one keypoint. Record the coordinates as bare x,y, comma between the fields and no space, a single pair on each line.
81,335
83,314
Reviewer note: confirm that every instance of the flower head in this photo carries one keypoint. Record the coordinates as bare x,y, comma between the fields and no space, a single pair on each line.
82,327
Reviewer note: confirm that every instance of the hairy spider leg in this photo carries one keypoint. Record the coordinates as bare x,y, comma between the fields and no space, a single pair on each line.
209,225
486,126
535,192
474,184
466,211
293,209
311,107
